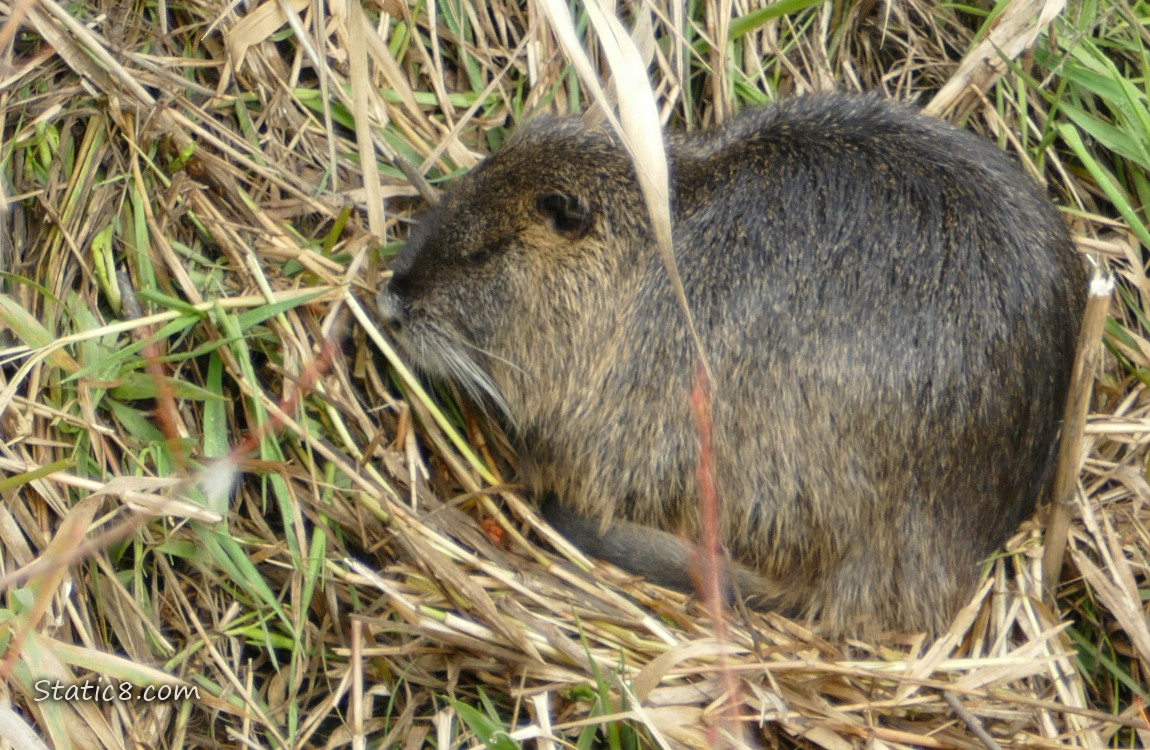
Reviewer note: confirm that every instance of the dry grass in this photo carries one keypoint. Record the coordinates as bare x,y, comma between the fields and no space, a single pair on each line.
200,199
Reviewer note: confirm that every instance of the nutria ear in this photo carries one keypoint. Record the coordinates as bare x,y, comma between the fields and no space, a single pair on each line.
569,216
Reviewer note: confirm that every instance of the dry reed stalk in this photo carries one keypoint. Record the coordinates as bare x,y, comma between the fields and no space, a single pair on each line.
375,563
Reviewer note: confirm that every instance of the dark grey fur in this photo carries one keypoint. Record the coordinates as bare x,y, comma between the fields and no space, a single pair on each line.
889,306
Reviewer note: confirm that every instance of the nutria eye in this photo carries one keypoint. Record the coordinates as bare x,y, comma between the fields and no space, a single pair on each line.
481,255
569,216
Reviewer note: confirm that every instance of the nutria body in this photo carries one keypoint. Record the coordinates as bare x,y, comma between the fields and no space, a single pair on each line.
889,307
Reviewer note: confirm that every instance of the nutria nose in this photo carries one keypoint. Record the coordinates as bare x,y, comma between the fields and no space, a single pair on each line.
390,308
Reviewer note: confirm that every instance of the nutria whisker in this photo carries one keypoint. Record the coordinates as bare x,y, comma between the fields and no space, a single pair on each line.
441,351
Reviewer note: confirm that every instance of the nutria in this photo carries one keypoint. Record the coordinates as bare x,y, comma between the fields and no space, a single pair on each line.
889,308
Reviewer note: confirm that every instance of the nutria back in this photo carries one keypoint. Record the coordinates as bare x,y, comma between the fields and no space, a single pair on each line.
889,307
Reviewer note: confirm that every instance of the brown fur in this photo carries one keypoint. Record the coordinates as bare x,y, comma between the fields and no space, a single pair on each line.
889,308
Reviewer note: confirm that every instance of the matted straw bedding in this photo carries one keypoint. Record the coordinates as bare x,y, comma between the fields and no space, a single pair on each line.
219,477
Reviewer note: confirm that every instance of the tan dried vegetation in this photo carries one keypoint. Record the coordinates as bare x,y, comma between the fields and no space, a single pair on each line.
199,198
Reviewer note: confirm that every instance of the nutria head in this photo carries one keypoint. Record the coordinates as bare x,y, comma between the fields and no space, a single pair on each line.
516,258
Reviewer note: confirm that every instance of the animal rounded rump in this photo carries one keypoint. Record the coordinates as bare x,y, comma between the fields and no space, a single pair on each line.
889,308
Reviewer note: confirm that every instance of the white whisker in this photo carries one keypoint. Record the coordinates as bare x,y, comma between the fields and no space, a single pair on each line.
496,357
440,350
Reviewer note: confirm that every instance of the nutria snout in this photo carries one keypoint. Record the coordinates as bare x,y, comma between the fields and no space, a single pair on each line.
889,307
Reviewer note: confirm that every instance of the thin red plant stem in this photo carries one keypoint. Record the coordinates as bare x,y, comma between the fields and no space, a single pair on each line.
713,559
307,379
166,414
